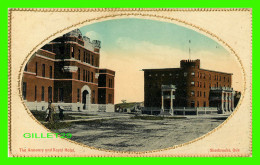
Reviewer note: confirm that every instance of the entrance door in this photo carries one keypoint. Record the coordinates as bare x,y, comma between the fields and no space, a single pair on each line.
85,99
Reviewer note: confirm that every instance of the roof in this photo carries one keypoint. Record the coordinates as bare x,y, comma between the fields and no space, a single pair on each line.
216,71
161,69
173,69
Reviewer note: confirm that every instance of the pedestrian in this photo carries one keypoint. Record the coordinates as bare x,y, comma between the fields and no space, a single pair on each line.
61,115
50,112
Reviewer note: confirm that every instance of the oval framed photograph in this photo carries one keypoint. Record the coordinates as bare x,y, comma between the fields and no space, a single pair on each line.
135,83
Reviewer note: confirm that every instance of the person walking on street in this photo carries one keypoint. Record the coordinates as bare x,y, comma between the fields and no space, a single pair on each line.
61,115
50,112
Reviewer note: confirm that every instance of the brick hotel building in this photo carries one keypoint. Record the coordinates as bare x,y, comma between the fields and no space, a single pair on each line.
66,71
188,86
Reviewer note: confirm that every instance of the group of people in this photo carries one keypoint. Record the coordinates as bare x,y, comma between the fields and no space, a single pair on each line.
50,111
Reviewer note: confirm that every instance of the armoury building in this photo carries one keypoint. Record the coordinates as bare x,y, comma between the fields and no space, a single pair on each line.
66,71
188,86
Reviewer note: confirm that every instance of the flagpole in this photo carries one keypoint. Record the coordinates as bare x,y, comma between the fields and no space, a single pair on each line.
189,50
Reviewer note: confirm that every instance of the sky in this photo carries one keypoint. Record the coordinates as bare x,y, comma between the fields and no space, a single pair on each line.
130,45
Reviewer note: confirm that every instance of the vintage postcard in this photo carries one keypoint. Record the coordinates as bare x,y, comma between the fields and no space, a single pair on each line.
130,82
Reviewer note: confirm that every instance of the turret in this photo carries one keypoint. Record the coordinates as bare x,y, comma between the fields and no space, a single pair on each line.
97,45
185,64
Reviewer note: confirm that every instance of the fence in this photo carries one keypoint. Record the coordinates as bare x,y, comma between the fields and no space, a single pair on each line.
182,110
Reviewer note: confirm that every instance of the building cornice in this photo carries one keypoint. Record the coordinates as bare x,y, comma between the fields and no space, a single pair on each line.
53,79
72,59
108,74
72,42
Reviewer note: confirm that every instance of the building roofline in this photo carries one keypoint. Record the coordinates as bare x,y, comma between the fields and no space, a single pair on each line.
216,71
161,69
47,51
106,69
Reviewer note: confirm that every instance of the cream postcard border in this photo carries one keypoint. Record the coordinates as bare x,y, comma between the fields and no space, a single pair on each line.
120,13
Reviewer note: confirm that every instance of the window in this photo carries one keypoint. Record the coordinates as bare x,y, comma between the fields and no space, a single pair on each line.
198,104
219,78
24,90
217,84
61,49
198,74
224,79
50,93
88,57
79,54
192,104
83,75
60,94
198,93
110,85
42,93
92,77
72,52
228,79
204,94
43,70
79,74
77,95
193,73
84,57
92,60
192,83
36,68
204,75
93,98
192,93
50,71
204,104
210,76
204,85
185,74
209,85
200,84
88,76
35,93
